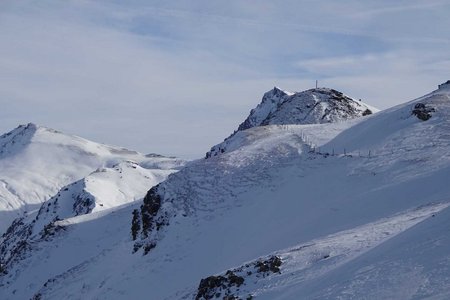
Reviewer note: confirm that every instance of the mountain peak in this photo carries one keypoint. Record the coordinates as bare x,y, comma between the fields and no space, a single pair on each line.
276,91
269,103
29,126
318,105
444,86
313,106
16,138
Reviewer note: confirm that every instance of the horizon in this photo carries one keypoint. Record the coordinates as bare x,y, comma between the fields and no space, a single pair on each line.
199,157
177,78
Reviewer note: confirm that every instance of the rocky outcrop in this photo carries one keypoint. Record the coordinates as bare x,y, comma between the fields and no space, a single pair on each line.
270,102
422,111
231,284
445,85
147,221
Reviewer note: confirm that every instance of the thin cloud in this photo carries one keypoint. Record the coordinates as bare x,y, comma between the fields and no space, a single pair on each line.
177,77
405,7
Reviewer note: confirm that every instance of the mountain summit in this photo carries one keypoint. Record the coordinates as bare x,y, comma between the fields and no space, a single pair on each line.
314,106
445,85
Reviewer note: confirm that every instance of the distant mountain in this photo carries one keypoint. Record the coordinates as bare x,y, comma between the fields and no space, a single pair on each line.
36,162
314,106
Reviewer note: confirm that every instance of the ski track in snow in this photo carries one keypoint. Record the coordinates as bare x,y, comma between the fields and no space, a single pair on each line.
311,260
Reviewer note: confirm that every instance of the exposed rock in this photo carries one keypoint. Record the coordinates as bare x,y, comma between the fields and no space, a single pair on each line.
83,204
213,286
444,85
367,112
51,229
135,224
422,111
269,104
229,285
149,209
269,265
150,219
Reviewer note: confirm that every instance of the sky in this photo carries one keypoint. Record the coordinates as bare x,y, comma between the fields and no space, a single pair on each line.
177,77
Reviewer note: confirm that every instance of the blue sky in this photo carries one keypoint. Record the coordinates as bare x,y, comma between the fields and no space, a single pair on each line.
176,77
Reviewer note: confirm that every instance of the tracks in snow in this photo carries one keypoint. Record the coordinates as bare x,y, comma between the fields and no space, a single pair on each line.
311,260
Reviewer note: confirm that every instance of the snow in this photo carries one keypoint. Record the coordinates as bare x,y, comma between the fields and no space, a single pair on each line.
269,104
320,105
306,262
316,106
350,207
36,162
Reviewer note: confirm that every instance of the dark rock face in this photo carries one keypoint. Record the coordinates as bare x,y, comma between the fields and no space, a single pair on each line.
149,209
212,286
444,85
51,229
231,285
135,224
269,103
367,112
149,220
270,265
422,111
83,204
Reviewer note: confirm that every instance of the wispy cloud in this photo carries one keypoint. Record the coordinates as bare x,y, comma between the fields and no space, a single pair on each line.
178,76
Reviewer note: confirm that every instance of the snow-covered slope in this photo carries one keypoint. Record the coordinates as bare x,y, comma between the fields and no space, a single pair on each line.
35,162
98,194
269,105
318,211
286,274
315,106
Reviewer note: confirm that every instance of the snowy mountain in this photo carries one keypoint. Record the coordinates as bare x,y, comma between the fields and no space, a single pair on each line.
315,106
289,211
36,162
